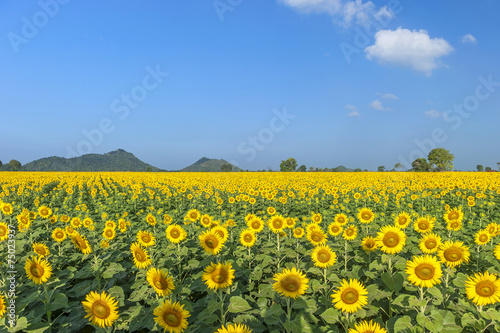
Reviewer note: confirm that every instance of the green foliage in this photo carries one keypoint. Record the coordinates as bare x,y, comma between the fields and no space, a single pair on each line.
226,167
205,164
440,159
288,165
381,168
480,168
398,166
420,164
15,165
302,168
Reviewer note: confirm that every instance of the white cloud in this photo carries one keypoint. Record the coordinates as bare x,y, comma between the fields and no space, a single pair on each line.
469,39
414,49
433,113
353,114
351,107
377,105
354,111
344,11
389,96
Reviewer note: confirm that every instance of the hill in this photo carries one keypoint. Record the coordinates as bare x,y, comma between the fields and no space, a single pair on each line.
118,160
205,164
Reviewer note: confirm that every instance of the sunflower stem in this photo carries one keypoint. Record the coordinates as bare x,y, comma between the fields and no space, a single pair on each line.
422,292
345,257
288,312
222,317
49,313
324,274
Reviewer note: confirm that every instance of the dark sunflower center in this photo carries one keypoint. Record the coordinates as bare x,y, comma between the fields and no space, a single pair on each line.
391,239
341,220
3,231
146,238
220,233
366,216
349,296
277,224
316,237
424,225
172,319
175,233
349,232
453,216
430,244
452,254
402,220
211,242
36,271
100,309
139,255
424,271
219,276
290,283
483,238
454,225
59,234
41,251
323,256
247,238
485,289
335,229
369,244
160,283
256,224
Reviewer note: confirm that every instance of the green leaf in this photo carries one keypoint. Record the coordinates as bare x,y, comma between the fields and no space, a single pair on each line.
238,305
112,269
117,292
37,327
402,324
459,281
443,321
60,301
331,315
393,282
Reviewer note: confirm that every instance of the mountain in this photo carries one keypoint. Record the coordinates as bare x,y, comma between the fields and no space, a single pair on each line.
205,164
342,168
118,160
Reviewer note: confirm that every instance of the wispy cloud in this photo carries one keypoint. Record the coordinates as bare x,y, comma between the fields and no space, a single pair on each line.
388,96
433,113
377,105
344,12
354,111
469,39
414,49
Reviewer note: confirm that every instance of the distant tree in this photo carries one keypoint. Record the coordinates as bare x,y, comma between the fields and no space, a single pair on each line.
487,169
381,168
392,170
288,165
440,159
15,165
311,169
420,164
1,164
357,170
148,169
398,166
226,167
498,165
302,168
479,167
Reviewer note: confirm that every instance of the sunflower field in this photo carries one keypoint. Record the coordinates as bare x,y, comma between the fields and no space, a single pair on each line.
250,252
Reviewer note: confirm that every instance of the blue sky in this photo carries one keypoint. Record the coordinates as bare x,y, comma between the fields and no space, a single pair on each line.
327,82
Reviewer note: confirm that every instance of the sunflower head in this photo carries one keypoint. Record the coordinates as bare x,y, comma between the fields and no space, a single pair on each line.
160,281
276,223
323,256
211,242
367,327
335,229
172,316
101,309
402,220
290,282
391,239
175,233
38,270
316,236
341,219
453,254
482,237
430,243
350,296
483,288
248,238
369,244
140,256
41,249
145,238
366,215
424,224
255,223
298,232
219,275
424,271
350,232
236,328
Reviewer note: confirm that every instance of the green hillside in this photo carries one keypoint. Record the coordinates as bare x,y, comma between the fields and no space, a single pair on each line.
118,160
205,164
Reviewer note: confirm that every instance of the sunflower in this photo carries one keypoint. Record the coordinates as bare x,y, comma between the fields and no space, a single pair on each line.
101,308
271,210
454,225
276,223
255,223
38,270
6,209
222,232
453,253
175,233
391,239
369,244
23,219
335,229
367,327
145,238
4,231
44,212
453,215
193,215
122,225
316,218
151,219
76,223
81,242
424,224
171,316
483,289
323,256
160,281
350,232
2,306
299,233
430,243
403,220
104,243
236,328
290,282
248,238
493,229
496,251
206,221
211,242
64,218
141,257
316,237
110,224
350,296
218,275
109,233
366,215
482,237
341,219
58,235
424,271
41,249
